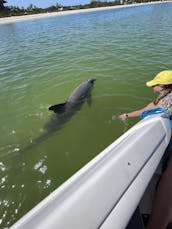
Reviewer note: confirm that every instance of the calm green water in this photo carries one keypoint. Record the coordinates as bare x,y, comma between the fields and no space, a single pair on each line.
41,62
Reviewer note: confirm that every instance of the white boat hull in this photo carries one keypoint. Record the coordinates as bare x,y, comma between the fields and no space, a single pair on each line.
105,192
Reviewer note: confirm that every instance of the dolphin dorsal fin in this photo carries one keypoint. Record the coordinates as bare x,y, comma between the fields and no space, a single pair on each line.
58,108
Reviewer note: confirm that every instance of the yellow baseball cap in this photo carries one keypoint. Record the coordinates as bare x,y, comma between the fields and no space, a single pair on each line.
164,78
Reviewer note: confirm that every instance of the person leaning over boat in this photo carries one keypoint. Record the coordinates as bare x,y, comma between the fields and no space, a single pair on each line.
162,84
161,214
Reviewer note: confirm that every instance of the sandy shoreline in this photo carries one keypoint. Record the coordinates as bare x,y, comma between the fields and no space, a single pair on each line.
15,19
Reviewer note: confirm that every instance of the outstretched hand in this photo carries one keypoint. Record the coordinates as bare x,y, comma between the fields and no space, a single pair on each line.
123,116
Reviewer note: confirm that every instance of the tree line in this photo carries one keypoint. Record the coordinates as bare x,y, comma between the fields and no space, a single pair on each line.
16,11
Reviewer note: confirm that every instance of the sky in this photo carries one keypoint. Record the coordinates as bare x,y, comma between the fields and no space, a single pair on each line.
45,3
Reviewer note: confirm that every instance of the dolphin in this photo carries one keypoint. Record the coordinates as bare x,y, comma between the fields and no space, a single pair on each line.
75,99
64,111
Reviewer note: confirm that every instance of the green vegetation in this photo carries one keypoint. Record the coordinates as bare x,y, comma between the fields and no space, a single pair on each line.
16,11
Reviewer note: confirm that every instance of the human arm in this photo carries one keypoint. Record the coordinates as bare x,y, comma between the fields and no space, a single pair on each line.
138,112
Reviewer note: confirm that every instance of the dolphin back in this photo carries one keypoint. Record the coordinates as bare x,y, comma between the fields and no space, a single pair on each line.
81,92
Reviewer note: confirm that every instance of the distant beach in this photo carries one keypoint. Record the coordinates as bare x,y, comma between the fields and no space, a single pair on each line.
14,19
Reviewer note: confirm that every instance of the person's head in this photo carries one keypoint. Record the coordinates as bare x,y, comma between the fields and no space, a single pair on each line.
162,78
161,83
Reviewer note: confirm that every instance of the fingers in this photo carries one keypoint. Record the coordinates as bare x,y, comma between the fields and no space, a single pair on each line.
123,116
